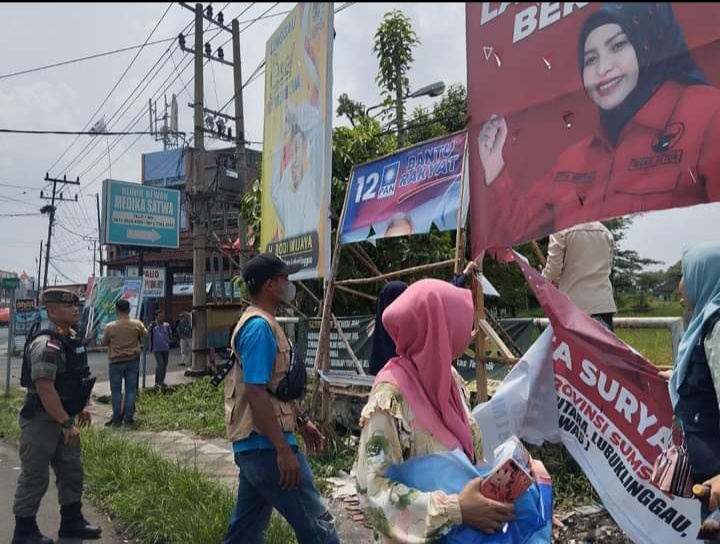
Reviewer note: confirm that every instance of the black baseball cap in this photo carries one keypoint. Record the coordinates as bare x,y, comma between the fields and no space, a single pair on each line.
266,266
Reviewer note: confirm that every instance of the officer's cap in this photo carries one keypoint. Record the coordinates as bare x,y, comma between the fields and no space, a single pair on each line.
59,295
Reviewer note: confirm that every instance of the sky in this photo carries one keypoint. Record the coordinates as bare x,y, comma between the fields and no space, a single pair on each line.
73,97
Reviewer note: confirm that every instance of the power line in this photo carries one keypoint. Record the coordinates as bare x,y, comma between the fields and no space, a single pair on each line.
81,59
73,132
117,83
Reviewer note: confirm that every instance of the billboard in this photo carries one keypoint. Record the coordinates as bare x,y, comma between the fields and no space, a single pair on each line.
408,191
297,149
138,215
154,278
582,111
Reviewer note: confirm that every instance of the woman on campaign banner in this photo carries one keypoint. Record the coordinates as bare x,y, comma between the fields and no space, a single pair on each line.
660,129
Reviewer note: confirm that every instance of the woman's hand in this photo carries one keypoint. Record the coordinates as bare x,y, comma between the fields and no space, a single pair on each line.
482,513
470,268
490,146
714,485
665,374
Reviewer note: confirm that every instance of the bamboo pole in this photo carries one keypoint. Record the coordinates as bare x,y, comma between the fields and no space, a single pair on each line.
348,347
538,253
356,293
460,237
365,260
480,371
309,292
383,277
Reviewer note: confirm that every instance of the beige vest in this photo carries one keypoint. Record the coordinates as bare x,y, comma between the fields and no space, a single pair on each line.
238,414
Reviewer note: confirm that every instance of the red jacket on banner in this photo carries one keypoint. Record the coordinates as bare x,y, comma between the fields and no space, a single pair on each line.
638,135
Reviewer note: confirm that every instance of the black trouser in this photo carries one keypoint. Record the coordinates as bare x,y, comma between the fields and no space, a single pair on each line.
161,363
607,320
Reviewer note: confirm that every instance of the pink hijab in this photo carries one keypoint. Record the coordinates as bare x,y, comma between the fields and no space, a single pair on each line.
431,325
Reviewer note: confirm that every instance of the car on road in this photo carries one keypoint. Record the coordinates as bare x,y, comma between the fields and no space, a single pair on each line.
4,317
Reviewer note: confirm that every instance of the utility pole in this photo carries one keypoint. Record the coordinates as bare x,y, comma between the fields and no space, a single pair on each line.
199,189
100,242
94,248
38,274
199,225
50,210
399,107
241,160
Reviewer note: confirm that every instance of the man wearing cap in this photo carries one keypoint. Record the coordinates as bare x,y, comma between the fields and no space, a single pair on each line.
273,473
57,377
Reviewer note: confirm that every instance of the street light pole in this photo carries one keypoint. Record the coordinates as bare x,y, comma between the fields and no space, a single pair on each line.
434,89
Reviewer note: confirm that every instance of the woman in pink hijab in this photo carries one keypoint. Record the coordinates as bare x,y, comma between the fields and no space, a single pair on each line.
417,407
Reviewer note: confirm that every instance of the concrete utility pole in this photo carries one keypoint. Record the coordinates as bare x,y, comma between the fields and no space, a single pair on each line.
241,162
100,243
37,287
199,224
50,210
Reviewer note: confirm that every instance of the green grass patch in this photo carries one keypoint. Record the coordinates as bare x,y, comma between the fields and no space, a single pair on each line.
654,344
156,501
9,408
196,408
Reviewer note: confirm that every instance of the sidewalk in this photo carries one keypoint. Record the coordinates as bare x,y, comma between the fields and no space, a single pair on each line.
215,459
49,515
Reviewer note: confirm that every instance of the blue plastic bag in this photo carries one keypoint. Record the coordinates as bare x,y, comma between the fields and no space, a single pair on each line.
450,471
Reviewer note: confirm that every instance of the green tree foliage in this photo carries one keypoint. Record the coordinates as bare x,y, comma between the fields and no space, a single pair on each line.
394,42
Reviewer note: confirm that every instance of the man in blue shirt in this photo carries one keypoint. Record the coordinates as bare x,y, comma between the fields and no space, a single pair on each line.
261,422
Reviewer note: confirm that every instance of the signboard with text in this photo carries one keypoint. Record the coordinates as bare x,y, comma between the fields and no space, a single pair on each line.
154,277
137,215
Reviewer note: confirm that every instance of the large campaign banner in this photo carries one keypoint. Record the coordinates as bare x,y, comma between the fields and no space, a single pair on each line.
581,111
408,191
581,385
359,330
297,141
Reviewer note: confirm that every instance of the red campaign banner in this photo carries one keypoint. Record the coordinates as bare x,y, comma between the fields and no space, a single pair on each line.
582,111
614,416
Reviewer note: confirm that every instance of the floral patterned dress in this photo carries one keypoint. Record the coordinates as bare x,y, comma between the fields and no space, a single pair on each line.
392,435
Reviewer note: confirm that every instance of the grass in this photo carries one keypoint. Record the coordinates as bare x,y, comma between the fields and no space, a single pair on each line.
9,408
196,408
152,500
654,344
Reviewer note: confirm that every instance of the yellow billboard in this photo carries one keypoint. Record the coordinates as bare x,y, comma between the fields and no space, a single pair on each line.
297,140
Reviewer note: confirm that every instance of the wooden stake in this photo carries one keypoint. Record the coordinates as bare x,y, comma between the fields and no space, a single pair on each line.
365,260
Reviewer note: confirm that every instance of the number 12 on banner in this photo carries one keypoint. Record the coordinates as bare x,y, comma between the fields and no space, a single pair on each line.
366,189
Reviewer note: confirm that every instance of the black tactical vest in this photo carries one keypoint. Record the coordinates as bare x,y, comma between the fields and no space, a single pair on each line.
699,413
73,382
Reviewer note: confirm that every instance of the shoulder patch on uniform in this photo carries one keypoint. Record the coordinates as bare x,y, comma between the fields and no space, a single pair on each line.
54,344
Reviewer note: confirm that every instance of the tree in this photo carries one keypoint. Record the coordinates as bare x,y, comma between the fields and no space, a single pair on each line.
395,40
352,109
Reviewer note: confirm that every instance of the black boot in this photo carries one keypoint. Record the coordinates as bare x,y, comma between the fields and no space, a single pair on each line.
27,532
74,525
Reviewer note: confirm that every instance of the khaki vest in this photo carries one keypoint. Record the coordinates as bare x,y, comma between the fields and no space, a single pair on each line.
238,415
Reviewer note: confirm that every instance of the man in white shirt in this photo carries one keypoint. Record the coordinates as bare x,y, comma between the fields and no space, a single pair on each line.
579,262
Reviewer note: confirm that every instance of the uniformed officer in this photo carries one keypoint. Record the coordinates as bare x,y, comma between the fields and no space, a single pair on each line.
56,374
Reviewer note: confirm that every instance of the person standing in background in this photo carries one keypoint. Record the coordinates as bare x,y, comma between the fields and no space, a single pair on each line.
160,333
579,262
184,333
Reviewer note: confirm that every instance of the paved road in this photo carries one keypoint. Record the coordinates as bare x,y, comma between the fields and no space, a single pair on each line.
49,515
98,363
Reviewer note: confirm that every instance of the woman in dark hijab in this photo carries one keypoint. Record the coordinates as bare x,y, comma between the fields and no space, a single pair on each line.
660,126
652,32
383,348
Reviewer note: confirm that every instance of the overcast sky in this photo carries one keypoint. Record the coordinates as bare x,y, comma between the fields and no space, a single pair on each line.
67,97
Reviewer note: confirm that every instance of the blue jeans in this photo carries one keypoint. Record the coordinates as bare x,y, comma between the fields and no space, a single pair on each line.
259,492
128,371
